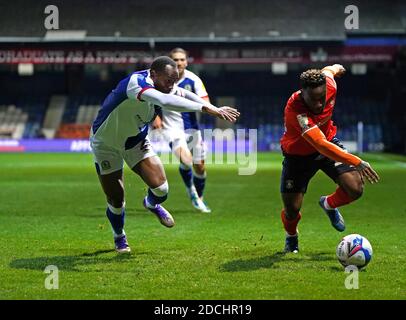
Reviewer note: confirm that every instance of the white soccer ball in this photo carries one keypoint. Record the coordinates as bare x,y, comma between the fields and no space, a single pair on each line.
355,250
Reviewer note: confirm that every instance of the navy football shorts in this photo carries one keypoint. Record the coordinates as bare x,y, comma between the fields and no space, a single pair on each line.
298,170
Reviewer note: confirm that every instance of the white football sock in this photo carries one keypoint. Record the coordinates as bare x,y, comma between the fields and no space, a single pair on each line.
326,205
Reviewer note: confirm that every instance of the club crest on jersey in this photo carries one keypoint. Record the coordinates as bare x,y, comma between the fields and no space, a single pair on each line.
105,165
188,87
303,121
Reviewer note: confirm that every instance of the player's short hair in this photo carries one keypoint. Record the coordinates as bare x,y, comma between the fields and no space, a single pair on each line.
177,50
312,78
160,63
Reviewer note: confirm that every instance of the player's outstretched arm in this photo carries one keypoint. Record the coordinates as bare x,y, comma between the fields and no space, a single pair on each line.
170,101
191,96
225,113
318,140
178,103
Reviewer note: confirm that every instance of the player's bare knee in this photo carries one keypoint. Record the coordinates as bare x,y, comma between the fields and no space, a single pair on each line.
356,191
185,157
156,180
352,184
186,165
354,187
292,204
199,168
292,212
160,181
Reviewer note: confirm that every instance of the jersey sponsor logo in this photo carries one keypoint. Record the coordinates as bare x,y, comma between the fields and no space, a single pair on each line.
303,121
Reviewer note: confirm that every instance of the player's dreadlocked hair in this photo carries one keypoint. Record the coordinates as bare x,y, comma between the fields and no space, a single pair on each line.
160,63
312,78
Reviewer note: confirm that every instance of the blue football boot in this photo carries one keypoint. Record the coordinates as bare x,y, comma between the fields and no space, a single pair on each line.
337,220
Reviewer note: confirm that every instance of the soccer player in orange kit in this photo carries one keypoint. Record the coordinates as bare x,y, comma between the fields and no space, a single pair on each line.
309,144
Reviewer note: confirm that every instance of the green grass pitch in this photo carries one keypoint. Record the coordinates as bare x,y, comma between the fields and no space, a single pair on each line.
52,212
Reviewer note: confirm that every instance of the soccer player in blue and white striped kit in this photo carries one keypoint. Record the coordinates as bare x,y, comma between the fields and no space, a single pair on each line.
181,130
119,133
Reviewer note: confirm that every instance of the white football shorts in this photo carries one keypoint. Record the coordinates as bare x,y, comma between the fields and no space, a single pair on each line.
190,139
108,159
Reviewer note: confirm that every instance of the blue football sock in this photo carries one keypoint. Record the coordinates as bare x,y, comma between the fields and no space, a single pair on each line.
154,199
200,182
116,221
186,173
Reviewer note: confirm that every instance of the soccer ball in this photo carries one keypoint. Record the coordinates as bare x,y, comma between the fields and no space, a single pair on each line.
355,250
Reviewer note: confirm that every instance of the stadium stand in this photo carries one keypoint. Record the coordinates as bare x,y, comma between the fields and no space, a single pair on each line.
233,19
12,122
73,131
259,94
22,117
79,114
359,100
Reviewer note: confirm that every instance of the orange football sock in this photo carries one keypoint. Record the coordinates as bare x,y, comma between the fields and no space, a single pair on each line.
338,198
290,225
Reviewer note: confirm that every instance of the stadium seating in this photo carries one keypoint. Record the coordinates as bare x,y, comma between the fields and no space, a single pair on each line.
260,97
79,113
21,117
73,131
12,122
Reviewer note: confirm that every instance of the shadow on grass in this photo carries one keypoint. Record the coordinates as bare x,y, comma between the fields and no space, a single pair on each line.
141,213
252,264
69,263
337,269
268,262
173,210
342,269
99,212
